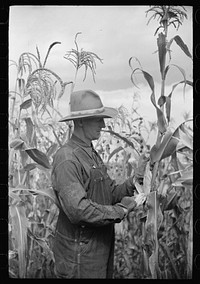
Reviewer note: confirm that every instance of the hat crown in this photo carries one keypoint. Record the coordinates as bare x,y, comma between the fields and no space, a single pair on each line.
87,103
85,100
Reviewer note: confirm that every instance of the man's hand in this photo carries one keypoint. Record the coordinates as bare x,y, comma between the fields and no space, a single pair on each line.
128,202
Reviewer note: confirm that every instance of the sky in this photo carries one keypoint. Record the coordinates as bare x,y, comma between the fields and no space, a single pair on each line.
115,34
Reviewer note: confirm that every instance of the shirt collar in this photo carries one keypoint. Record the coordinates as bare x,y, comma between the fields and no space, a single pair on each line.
75,139
88,148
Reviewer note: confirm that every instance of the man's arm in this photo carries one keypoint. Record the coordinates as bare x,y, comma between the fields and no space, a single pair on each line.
69,186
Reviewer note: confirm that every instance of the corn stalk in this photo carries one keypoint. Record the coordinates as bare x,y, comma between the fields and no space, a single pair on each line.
34,93
166,145
31,151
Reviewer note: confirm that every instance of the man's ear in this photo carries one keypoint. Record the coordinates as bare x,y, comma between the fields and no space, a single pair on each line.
80,122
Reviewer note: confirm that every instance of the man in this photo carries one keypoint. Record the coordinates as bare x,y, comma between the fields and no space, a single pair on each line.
90,202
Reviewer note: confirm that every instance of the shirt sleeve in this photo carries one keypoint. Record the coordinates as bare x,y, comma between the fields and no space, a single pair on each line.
71,193
119,190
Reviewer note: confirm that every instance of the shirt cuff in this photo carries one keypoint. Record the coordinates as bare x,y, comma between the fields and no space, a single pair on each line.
123,210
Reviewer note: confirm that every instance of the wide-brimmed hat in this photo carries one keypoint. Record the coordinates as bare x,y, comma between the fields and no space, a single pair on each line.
87,103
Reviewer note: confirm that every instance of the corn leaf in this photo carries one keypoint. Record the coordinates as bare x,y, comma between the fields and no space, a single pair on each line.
24,157
170,201
17,144
165,247
48,192
139,188
30,132
162,125
182,45
168,108
39,157
115,151
52,149
185,179
121,137
43,244
145,264
147,179
50,47
185,138
21,83
165,72
166,148
170,146
14,196
30,167
184,76
26,104
20,224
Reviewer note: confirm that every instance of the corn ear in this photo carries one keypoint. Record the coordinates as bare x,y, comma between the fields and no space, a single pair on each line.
161,42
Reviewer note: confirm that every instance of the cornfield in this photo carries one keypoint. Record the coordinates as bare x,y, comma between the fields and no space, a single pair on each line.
155,241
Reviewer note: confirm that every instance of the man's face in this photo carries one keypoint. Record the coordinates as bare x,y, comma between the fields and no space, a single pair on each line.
92,127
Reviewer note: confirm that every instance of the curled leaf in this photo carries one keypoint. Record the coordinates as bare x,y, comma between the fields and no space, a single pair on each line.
139,188
171,201
140,198
30,131
52,149
21,83
26,104
185,138
167,146
17,144
170,147
168,107
185,179
39,157
182,45
30,167
115,151
50,47
162,125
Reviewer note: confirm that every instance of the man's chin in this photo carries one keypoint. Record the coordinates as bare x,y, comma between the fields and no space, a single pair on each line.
97,136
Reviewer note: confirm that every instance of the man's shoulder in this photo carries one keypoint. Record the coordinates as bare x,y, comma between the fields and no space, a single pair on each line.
66,151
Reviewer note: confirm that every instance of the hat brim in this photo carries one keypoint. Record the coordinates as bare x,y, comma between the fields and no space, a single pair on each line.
108,112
